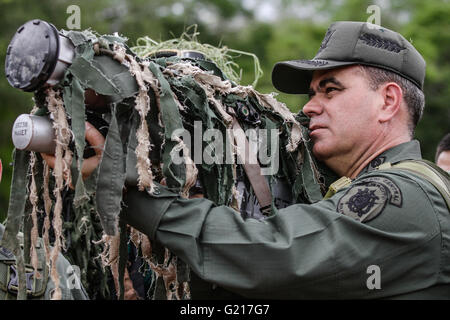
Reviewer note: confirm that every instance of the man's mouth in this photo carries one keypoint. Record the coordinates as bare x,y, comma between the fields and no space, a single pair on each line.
315,131
315,127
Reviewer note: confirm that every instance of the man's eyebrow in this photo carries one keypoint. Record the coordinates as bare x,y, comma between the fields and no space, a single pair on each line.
333,80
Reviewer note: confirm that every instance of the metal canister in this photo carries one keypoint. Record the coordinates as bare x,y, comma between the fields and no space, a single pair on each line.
37,55
34,133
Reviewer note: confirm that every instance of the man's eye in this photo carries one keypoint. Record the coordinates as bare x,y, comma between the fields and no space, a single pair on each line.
330,89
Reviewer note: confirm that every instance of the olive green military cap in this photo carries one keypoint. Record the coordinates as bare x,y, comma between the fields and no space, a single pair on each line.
349,43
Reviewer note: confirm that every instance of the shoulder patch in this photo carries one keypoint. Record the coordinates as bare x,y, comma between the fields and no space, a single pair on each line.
367,198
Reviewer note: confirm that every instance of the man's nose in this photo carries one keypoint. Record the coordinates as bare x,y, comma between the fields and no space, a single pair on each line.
312,108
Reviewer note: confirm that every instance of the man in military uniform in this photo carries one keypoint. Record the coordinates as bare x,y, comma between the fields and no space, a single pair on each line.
382,230
443,153
37,287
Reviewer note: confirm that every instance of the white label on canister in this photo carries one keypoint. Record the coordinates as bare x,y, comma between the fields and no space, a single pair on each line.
22,131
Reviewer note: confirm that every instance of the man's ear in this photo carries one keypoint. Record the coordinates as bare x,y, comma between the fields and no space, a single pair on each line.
392,96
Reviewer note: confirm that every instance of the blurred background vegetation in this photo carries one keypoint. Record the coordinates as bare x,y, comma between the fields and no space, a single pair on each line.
274,30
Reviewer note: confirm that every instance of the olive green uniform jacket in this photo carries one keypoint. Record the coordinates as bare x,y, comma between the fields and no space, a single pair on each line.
386,235
71,287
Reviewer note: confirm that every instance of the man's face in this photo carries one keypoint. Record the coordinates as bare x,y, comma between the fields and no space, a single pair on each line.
343,111
443,160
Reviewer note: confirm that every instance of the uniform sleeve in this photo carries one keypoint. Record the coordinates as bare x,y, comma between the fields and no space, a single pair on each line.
324,250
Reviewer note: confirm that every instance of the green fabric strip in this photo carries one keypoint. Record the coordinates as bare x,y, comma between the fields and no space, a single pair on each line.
111,178
92,77
172,121
309,181
211,66
17,200
119,76
197,96
131,160
80,38
123,256
74,104
27,226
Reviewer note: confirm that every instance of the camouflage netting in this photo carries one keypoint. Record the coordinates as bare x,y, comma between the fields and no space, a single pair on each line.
149,100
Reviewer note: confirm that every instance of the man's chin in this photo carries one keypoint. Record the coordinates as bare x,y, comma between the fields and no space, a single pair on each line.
320,152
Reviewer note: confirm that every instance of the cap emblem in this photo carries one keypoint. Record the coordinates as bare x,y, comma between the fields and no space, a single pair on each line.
325,40
379,42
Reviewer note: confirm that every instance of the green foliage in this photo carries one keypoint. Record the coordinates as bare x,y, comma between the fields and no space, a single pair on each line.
222,57
431,36
228,23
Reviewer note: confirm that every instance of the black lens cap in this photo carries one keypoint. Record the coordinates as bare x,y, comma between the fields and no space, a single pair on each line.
193,54
32,55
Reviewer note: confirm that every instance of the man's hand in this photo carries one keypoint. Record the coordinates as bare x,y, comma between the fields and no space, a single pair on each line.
96,141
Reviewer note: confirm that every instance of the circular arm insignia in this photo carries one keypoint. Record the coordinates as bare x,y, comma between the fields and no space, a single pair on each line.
367,198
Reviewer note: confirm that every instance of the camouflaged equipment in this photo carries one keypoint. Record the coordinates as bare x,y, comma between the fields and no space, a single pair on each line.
38,284
149,99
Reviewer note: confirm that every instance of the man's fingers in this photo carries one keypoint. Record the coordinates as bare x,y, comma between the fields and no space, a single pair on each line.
50,159
95,140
